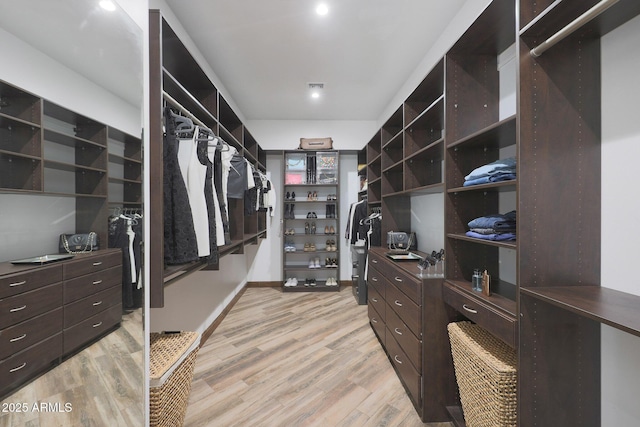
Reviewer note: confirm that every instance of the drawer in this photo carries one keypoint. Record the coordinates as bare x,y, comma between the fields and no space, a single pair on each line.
408,375
502,325
377,261
12,284
25,334
376,279
377,323
407,310
411,345
410,286
86,264
91,305
374,299
85,331
20,367
90,284
24,306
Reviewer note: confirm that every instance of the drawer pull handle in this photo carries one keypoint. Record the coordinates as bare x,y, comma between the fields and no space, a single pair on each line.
374,300
95,264
397,360
374,261
374,279
469,309
397,331
398,303
18,368
12,285
97,324
21,337
397,279
373,320
95,304
97,282
13,310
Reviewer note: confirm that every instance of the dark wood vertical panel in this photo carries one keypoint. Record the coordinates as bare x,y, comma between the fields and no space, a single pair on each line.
155,212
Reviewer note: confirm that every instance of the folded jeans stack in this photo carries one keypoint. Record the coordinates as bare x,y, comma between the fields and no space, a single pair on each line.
498,227
500,170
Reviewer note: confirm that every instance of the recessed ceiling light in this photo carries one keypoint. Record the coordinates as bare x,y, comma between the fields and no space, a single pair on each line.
315,95
316,89
107,5
322,9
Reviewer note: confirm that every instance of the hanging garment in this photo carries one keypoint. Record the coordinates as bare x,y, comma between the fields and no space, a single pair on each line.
180,244
127,237
203,158
195,175
215,164
219,183
238,178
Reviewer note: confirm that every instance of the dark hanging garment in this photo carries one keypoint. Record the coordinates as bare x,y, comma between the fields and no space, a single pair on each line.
180,244
222,201
132,297
203,157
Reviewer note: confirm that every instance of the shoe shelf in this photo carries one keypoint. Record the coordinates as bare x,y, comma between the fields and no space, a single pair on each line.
310,220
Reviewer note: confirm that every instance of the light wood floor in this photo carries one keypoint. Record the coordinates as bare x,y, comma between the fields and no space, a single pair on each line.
297,359
103,383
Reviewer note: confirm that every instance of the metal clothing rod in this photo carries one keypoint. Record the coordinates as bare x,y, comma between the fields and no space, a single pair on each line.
572,26
177,105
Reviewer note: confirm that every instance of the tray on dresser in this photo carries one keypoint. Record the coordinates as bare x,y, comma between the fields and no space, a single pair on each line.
43,259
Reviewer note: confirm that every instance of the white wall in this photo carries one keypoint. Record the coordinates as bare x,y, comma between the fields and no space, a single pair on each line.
620,207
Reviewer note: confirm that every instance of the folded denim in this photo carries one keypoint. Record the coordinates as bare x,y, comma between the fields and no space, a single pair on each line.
495,221
492,231
508,164
498,237
498,177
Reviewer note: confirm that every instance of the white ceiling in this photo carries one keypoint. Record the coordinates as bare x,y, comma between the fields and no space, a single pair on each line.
104,47
265,52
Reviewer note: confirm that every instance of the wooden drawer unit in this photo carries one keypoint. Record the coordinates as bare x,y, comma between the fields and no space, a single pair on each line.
21,307
409,343
91,305
407,310
502,325
90,284
91,328
23,365
377,280
407,373
91,263
18,280
377,323
375,300
18,337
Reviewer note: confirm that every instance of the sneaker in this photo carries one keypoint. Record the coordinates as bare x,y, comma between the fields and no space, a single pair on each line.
317,263
306,247
312,247
287,283
312,264
312,282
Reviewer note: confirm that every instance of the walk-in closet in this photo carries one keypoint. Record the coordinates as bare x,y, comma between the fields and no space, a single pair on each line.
319,213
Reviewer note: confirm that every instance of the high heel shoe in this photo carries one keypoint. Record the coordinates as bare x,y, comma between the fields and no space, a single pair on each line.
287,196
293,195
332,230
313,228
315,195
326,229
306,228
309,195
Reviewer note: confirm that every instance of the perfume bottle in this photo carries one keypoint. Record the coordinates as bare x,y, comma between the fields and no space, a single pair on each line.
476,280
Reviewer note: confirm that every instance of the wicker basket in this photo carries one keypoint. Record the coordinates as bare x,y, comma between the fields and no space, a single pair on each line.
172,359
486,372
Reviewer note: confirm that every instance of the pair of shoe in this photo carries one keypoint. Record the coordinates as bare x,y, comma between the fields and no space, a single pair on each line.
289,232
309,247
329,230
312,215
331,282
331,246
288,211
290,196
314,263
330,211
312,196
309,228
310,282
331,263
331,197
291,282
289,247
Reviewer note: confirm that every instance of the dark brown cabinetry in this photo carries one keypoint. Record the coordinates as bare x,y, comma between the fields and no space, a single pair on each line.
409,317
48,312
177,80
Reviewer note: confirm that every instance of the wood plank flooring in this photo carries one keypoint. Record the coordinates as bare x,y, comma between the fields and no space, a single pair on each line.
103,383
297,359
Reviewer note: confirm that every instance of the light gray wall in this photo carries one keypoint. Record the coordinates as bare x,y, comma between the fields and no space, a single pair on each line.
620,207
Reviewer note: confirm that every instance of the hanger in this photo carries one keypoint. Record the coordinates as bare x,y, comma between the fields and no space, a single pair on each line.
183,124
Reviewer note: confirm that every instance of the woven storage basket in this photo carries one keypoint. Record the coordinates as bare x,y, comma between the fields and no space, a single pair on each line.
486,372
172,359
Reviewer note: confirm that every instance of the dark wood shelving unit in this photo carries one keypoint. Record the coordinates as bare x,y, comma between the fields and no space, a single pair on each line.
176,74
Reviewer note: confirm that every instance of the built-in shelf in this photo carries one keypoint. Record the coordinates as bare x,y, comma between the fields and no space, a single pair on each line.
508,244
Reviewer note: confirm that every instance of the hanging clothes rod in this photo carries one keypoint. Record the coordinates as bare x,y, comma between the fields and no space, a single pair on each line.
188,113
572,26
